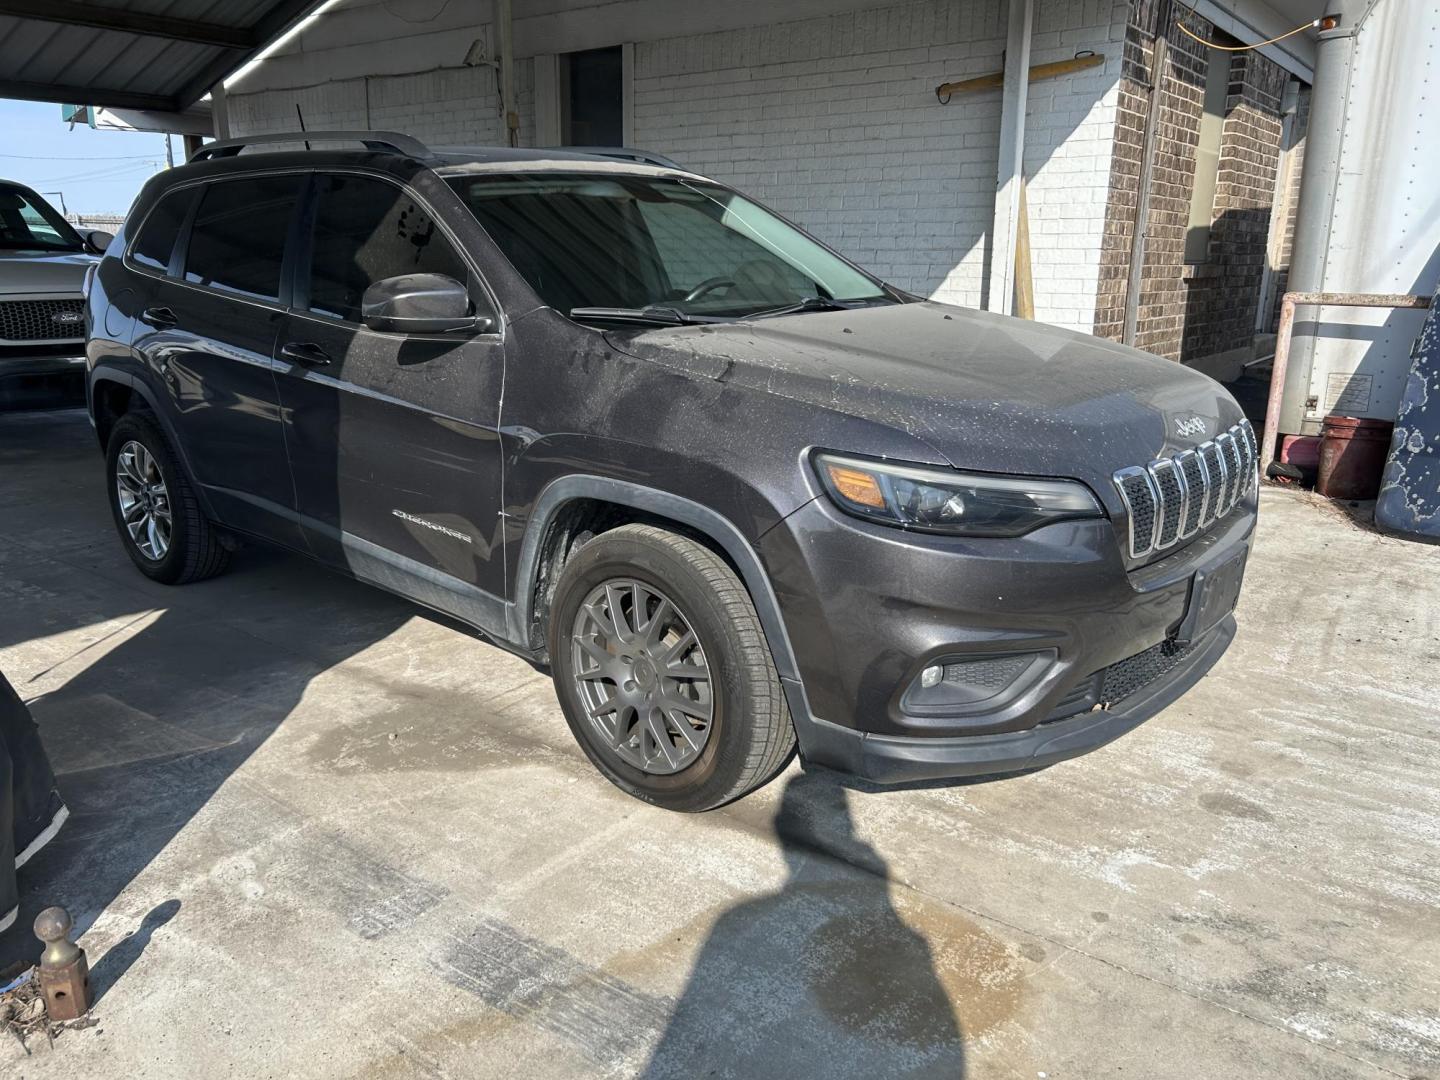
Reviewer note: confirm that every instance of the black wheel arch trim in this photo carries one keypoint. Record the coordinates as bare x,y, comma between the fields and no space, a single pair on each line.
139,388
713,525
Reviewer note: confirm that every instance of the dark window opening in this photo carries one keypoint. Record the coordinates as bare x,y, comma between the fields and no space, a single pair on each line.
366,231
156,241
238,240
592,98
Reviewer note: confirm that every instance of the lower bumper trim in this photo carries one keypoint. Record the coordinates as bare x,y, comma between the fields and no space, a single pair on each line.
889,759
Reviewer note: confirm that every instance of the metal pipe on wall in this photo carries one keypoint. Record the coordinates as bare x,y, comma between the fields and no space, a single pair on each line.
1160,54
1329,98
504,19
1000,295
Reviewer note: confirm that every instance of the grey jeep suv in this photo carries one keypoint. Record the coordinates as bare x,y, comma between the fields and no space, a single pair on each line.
737,494
43,262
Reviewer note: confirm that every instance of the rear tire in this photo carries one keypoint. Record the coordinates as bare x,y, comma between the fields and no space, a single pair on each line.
723,685
158,517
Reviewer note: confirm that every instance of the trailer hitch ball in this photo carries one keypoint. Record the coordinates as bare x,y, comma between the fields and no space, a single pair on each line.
64,973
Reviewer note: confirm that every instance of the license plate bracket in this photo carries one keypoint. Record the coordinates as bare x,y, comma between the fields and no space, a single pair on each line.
1214,592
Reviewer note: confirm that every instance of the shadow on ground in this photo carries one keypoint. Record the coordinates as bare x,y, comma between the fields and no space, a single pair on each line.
821,977
173,688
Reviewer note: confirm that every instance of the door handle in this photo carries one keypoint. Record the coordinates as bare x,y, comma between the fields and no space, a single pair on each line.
304,353
162,318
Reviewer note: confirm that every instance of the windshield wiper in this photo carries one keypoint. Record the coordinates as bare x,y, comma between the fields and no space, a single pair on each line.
660,316
813,303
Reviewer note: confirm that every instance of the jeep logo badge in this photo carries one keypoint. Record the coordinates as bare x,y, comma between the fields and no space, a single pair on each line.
1190,427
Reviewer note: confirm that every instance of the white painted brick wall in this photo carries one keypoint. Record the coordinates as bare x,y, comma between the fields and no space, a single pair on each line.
832,120
452,106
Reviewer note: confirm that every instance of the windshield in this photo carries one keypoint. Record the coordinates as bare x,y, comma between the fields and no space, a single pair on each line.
585,241
28,221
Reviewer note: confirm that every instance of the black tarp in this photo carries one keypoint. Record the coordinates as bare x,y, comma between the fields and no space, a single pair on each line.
1409,500
31,810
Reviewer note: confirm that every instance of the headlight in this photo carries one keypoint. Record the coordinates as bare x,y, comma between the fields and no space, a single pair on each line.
948,501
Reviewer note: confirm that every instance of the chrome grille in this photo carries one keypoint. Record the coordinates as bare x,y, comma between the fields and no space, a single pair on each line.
1173,498
42,320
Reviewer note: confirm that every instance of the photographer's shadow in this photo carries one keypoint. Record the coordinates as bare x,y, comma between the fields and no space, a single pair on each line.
821,978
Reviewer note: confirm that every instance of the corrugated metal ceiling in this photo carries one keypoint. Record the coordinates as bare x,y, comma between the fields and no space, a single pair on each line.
137,54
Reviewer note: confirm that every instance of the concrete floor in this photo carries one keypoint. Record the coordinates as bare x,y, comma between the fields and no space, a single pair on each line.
318,833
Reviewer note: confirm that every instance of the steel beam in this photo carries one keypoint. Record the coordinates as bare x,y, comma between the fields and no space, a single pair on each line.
143,24
87,95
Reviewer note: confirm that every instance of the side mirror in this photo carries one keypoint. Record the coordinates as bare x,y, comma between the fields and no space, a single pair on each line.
419,304
99,239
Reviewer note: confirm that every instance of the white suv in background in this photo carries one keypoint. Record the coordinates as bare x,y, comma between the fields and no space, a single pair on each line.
43,262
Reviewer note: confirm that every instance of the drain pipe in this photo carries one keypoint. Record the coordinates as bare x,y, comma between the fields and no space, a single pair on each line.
1319,178
505,17
1159,54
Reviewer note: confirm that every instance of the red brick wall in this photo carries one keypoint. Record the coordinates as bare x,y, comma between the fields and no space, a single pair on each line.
1196,311
1224,292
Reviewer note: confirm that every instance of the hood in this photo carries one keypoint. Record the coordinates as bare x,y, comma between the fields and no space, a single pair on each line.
986,392
24,272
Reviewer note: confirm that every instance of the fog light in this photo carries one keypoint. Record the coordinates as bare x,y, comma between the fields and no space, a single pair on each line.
972,685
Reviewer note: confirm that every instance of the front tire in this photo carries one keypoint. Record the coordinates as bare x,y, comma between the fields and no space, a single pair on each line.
159,519
663,671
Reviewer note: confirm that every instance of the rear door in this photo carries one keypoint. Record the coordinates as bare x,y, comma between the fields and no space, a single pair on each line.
207,334
393,437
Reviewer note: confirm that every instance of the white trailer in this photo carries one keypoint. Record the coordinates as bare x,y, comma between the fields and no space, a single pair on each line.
1369,213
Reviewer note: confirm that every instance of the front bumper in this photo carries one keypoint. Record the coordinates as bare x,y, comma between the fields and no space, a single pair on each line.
867,608
29,371
888,759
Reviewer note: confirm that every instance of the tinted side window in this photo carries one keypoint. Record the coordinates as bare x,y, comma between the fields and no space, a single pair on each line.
238,240
366,231
157,237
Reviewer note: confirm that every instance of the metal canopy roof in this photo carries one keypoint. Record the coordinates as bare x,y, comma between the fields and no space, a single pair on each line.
133,54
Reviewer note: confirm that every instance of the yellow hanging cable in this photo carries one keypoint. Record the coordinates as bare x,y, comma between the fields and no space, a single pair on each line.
1244,48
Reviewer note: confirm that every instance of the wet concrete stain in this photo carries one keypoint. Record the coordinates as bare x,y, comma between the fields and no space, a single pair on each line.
1099,916
458,735
1227,805
874,984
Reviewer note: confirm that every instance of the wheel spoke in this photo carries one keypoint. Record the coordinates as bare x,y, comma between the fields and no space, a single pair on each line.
655,724
620,732
680,648
654,628
601,619
609,705
688,671
701,710
614,602
694,739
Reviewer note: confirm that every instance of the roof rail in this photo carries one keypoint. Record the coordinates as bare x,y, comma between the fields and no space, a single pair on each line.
385,142
625,153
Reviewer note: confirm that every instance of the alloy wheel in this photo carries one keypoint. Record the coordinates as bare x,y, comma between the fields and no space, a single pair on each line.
643,676
144,500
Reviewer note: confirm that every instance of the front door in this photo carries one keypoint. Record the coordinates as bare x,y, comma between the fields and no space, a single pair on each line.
207,333
392,437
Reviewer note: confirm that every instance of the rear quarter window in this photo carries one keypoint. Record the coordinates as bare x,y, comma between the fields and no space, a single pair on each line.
156,241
